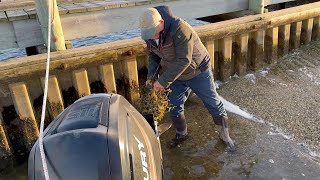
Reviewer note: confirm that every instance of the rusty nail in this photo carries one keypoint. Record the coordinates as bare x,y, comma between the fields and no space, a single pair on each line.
129,53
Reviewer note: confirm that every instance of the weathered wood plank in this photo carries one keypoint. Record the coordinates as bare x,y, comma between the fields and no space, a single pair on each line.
24,109
17,15
5,150
256,44
107,77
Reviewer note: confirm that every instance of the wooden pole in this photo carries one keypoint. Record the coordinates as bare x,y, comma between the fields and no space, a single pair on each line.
284,37
256,6
225,52
271,45
295,35
57,38
241,53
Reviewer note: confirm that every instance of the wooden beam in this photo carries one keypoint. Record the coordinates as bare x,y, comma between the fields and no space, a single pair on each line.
295,35
107,77
284,37
81,82
271,45
24,109
5,150
216,71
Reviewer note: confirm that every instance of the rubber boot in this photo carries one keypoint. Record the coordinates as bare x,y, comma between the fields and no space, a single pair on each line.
180,125
224,134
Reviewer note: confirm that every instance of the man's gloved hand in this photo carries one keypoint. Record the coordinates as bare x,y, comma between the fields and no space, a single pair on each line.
157,86
149,83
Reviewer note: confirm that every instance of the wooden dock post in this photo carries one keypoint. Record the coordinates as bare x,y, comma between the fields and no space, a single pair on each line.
225,54
81,82
131,76
271,45
216,60
210,48
5,150
284,40
54,96
316,29
107,77
240,54
57,39
256,44
25,112
306,31
295,35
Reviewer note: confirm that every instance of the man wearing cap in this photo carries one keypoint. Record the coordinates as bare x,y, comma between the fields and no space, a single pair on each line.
178,60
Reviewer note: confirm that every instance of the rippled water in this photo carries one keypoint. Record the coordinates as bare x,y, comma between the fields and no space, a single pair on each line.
88,41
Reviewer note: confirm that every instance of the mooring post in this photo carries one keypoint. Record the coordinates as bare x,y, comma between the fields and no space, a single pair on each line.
271,45
256,6
57,39
225,48
284,37
107,77
23,106
295,35
54,96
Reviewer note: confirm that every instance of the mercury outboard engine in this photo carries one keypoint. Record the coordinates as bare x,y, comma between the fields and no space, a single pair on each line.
101,136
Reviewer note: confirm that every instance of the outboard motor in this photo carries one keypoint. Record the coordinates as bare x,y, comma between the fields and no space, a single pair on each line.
101,136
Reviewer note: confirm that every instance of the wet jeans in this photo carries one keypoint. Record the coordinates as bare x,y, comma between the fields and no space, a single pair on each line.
203,86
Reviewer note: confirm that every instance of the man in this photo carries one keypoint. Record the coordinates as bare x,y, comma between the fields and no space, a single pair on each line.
176,50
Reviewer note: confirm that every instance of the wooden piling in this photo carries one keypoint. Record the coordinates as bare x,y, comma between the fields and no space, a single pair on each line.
284,40
225,53
54,96
57,39
240,54
271,45
5,150
316,29
256,46
131,78
107,77
81,82
210,49
306,31
25,112
295,35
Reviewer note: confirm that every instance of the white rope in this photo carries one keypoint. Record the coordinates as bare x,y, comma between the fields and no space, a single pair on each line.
45,96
